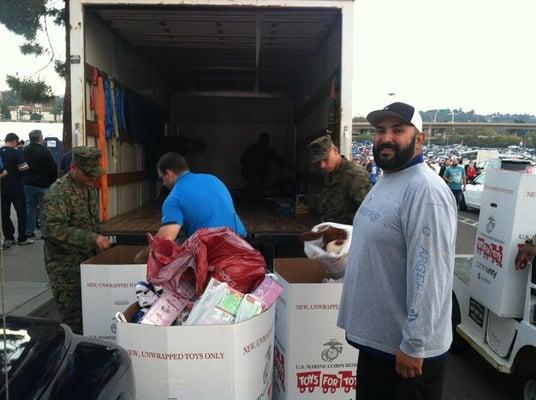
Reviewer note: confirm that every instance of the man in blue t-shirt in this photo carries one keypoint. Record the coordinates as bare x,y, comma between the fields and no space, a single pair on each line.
456,179
196,200
373,170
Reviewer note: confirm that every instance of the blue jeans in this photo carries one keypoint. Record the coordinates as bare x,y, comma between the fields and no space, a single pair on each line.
458,194
34,204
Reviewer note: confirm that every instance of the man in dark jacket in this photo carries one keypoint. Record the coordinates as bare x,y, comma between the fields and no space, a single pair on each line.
256,163
42,173
13,192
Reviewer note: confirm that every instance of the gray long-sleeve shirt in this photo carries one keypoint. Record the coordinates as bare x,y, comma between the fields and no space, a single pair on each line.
398,281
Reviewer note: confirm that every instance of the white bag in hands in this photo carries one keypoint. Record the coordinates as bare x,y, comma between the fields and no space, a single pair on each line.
329,247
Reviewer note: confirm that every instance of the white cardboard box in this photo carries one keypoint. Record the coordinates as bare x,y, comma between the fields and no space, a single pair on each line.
312,358
108,283
507,219
228,362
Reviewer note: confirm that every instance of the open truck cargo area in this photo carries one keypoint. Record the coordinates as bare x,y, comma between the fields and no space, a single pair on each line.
211,76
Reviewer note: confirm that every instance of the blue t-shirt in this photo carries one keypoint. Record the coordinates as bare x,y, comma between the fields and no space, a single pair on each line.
455,176
201,201
374,173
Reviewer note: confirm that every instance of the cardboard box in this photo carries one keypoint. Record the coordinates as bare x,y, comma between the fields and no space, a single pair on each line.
297,206
201,362
507,219
312,358
108,283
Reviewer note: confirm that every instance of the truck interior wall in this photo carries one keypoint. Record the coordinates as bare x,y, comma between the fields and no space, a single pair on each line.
313,101
108,52
228,125
316,77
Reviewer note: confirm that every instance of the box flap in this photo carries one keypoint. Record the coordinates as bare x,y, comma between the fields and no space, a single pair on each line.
116,255
300,270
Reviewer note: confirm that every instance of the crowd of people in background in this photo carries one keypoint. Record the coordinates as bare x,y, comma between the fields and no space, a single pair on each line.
451,170
27,173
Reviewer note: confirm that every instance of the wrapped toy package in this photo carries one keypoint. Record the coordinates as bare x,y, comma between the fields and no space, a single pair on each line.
329,245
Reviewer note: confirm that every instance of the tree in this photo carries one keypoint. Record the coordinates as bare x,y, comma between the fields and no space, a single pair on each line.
36,116
57,107
4,111
27,18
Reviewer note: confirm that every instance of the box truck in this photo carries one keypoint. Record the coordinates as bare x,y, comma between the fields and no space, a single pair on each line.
215,73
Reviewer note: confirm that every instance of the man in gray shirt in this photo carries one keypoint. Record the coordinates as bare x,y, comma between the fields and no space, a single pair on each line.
396,299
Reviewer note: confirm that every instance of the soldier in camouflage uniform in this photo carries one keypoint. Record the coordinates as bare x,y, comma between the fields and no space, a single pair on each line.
346,184
72,226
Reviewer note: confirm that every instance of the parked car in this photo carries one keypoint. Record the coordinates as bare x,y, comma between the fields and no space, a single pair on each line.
473,193
45,360
505,163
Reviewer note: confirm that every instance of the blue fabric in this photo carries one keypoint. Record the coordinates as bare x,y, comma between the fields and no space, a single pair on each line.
415,160
119,106
34,203
201,201
109,116
454,177
374,173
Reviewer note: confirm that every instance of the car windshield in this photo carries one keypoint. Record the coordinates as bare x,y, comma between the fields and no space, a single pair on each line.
515,165
480,179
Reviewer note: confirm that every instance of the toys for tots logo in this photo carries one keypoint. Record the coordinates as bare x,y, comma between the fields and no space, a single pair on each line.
490,251
311,381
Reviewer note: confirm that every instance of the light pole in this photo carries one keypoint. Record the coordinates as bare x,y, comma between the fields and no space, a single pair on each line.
432,129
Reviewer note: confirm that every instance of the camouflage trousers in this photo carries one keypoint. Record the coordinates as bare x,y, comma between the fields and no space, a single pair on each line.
65,284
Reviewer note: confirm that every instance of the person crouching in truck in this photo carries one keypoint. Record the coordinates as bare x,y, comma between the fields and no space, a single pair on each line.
256,162
346,183
195,201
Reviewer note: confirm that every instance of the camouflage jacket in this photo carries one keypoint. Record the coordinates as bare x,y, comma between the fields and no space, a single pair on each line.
344,190
71,220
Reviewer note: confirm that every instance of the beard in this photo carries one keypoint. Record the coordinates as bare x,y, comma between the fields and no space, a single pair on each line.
401,158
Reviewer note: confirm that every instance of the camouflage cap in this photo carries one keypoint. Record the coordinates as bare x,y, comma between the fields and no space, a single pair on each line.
88,159
320,147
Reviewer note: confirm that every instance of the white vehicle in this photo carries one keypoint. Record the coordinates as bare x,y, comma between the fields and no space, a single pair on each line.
494,304
509,164
508,344
473,193
480,155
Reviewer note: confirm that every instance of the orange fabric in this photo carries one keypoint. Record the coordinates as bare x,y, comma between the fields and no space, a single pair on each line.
102,147
93,90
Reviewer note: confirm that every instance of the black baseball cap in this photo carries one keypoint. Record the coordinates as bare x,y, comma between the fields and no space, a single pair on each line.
399,110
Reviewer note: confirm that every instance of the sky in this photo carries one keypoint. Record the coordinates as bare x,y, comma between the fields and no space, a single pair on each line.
469,54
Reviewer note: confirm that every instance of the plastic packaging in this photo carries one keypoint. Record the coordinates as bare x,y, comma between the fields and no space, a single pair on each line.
249,307
210,252
224,255
218,305
268,291
335,263
165,310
